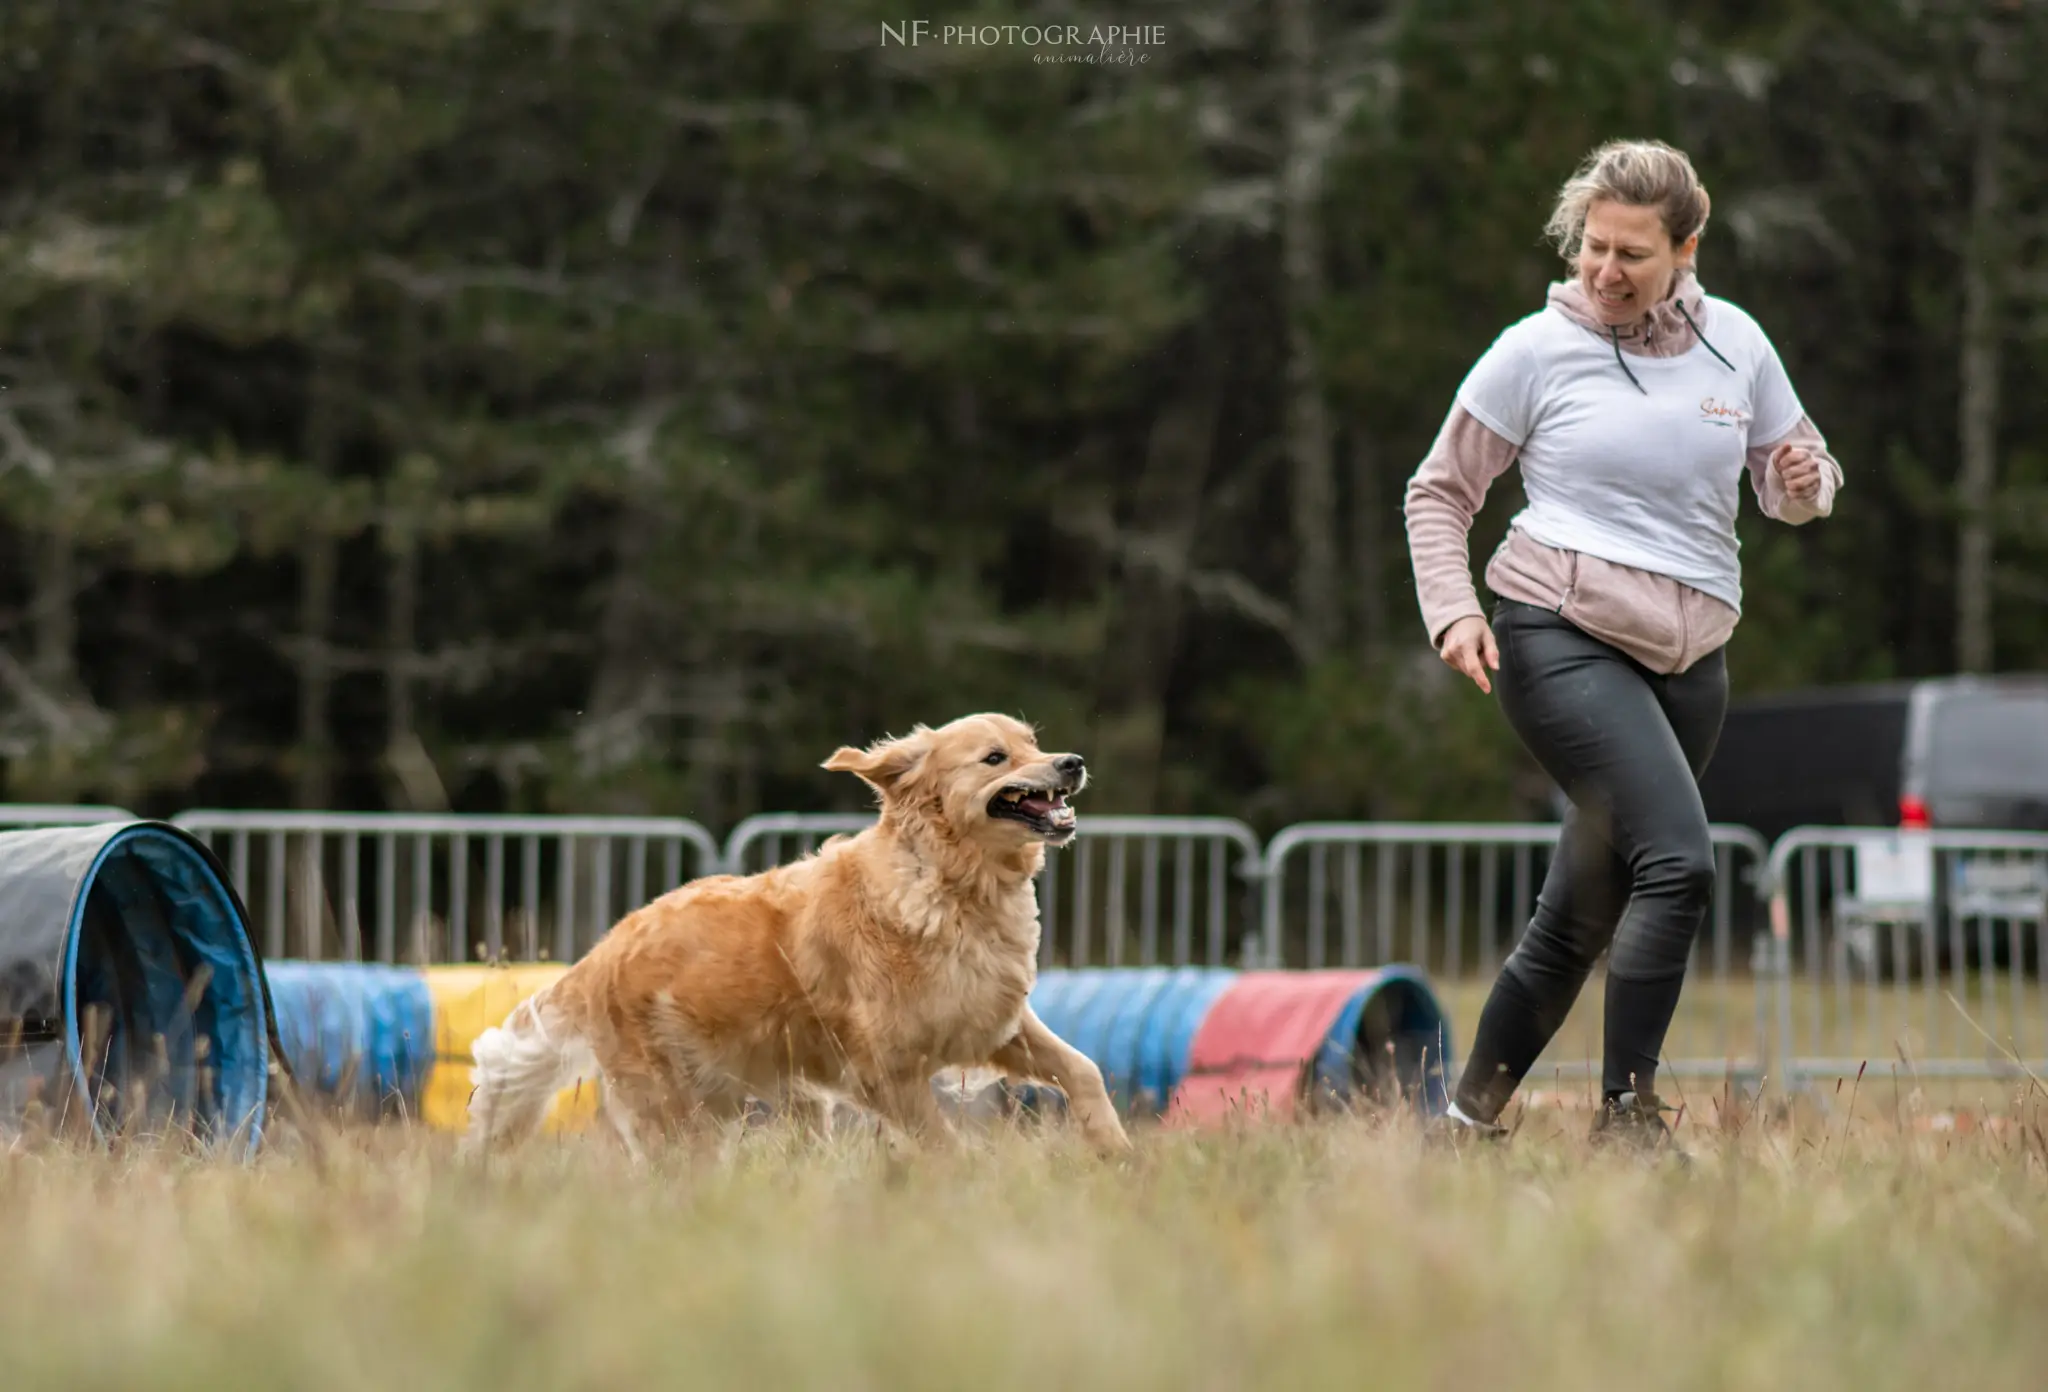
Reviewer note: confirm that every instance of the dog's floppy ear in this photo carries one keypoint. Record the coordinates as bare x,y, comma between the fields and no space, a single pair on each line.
885,764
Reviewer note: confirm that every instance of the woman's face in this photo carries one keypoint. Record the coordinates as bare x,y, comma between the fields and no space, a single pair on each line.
1627,260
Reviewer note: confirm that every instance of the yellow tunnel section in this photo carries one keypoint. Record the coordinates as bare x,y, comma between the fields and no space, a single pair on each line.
467,1001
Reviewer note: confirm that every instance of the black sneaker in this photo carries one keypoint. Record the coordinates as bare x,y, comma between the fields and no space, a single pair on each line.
1637,1122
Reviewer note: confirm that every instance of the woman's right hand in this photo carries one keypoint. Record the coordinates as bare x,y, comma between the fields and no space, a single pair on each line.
1469,647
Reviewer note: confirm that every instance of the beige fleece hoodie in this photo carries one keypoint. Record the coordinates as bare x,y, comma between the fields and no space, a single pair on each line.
1663,623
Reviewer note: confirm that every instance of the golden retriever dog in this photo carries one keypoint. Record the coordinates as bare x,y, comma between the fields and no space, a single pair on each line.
858,971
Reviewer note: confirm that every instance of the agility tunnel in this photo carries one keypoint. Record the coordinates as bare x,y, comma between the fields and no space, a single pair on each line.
1279,1041
1196,1045
361,1037
1137,1024
132,996
467,1001
394,1042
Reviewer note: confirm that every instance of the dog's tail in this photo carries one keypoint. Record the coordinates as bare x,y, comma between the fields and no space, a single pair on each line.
520,1066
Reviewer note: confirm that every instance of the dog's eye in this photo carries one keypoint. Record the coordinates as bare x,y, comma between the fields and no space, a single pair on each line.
995,756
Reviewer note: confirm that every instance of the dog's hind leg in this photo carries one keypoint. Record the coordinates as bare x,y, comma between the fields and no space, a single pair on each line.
648,1108
520,1066
636,1130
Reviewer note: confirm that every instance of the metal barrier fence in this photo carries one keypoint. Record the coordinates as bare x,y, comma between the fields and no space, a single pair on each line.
1454,898
445,888
1920,949
774,838
1129,891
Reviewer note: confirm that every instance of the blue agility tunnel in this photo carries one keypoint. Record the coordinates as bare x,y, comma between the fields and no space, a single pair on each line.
361,1037
132,996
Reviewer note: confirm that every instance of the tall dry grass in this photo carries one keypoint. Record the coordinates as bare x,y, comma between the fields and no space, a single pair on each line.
1895,1247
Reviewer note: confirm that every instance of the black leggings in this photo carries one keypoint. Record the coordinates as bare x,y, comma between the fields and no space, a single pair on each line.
1634,865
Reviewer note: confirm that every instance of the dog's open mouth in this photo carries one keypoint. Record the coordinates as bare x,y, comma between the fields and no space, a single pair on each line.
1044,810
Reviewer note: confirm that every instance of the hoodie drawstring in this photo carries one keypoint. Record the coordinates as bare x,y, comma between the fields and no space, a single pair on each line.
1679,305
1614,335
1614,331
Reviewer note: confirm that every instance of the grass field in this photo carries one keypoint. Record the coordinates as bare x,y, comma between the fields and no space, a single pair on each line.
1888,1247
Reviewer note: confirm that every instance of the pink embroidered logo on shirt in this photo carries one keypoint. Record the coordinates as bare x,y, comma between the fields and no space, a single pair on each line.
1717,412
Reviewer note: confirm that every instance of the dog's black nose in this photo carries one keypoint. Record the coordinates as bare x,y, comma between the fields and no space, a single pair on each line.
1068,763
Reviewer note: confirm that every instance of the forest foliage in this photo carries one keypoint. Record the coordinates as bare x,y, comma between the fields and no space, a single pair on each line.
616,405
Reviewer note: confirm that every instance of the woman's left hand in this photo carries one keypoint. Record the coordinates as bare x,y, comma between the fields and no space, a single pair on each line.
1799,471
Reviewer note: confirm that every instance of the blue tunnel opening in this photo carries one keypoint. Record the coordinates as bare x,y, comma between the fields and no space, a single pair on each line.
132,1000
1390,1046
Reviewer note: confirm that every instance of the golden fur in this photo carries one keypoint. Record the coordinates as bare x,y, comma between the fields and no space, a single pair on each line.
860,970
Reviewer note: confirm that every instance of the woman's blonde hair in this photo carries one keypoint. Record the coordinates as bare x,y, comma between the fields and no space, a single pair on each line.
1639,173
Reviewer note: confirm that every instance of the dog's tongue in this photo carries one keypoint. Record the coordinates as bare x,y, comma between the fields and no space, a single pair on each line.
1035,805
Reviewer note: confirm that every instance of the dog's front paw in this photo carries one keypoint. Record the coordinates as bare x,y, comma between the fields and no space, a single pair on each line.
1106,1133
